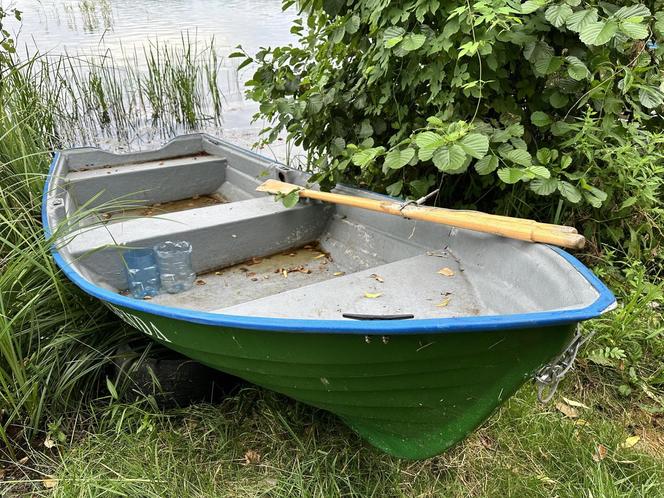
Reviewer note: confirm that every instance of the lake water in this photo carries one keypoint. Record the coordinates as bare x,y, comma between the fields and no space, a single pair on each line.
96,27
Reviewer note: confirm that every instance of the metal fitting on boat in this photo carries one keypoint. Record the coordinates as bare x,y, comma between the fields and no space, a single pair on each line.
549,376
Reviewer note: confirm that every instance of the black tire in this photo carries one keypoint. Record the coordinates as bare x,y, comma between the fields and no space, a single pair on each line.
172,378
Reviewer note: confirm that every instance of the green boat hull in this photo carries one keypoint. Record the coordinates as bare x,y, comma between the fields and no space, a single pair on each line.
412,396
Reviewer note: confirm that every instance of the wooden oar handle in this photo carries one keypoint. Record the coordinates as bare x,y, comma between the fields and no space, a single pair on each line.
505,226
497,225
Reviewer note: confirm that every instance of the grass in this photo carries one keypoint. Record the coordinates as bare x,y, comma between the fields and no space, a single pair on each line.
256,443
62,434
54,341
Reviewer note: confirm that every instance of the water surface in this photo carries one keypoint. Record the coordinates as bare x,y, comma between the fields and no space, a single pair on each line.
102,27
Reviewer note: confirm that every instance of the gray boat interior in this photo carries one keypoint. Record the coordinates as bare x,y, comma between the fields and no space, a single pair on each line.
255,257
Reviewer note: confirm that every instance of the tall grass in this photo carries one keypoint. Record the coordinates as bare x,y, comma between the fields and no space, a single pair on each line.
55,341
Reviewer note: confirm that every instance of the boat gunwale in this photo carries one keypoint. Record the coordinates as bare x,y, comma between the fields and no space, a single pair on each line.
605,301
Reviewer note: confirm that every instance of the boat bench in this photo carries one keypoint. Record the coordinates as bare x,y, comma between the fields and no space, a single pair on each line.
221,235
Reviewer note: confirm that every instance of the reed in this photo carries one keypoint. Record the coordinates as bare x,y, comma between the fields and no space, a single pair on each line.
55,342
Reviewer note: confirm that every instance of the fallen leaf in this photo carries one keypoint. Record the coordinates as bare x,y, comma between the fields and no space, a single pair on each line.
567,410
373,295
443,303
448,272
252,457
48,442
338,273
577,404
50,482
147,298
200,281
377,277
321,255
630,441
217,273
284,273
600,453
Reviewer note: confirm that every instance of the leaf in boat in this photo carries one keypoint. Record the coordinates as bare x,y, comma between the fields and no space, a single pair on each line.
321,255
377,277
567,410
338,273
630,441
444,302
600,453
291,199
448,272
200,281
576,404
372,295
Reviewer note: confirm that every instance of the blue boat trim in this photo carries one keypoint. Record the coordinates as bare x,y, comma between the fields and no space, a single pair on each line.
604,301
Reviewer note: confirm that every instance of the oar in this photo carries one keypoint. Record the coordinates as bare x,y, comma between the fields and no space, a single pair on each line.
515,228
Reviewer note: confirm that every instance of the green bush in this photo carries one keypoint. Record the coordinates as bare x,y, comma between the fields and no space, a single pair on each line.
493,99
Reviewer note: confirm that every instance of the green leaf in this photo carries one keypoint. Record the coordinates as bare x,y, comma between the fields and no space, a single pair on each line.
486,165
650,96
392,36
395,189
636,11
412,42
634,30
600,194
435,121
428,142
558,100
540,171
540,119
511,175
659,23
366,130
397,159
449,159
544,186
558,14
547,64
598,33
576,69
569,192
560,128
475,145
519,156
353,24
421,186
579,20
531,6
363,157
111,388
290,200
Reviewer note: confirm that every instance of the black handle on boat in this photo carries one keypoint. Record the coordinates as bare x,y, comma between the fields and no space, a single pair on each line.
359,316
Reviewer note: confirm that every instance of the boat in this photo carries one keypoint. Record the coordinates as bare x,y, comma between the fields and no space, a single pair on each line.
411,332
